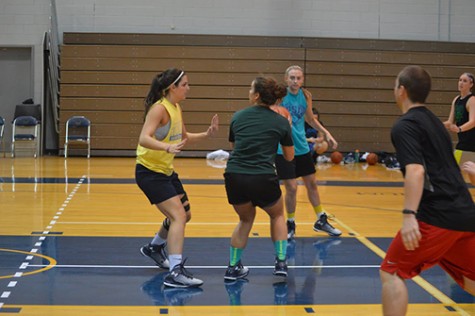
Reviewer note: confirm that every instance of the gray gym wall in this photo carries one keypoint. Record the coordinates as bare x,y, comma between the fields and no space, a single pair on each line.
23,23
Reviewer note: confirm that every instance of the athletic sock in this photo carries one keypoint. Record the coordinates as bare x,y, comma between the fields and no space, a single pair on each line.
318,210
157,240
234,255
291,217
280,247
174,260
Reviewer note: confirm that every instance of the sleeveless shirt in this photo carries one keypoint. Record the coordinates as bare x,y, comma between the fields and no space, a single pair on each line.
466,139
159,160
296,104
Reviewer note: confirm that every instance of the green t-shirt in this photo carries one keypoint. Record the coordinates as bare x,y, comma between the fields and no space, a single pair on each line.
256,132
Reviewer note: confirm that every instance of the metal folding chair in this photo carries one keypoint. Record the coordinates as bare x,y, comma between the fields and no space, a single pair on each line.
2,129
25,130
78,131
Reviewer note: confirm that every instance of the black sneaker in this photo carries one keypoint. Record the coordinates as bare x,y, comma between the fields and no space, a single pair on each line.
235,272
157,254
280,268
180,277
290,229
322,225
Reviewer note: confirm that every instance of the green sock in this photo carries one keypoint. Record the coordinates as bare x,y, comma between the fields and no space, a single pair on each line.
234,255
280,249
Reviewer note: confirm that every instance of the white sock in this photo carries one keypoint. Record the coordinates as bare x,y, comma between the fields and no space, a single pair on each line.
174,260
157,240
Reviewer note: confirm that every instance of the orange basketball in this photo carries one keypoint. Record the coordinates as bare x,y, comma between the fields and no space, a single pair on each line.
336,157
282,111
372,159
320,147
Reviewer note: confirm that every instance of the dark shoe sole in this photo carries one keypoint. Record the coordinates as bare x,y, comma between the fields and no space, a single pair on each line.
280,273
181,285
231,278
324,231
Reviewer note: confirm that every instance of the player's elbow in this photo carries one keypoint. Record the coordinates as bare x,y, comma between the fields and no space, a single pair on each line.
415,171
288,152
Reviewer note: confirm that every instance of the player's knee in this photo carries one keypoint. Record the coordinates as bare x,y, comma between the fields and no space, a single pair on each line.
311,185
180,217
188,216
387,277
391,280
469,286
186,203
291,189
166,223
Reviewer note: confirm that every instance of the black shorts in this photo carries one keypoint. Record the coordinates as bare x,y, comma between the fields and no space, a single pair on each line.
158,187
261,189
302,165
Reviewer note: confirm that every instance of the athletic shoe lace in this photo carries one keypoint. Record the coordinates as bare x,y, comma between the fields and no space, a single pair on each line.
183,270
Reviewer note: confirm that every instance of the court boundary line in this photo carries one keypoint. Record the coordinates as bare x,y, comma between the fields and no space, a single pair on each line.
26,262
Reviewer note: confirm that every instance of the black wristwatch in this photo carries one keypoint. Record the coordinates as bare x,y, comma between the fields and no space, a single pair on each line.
405,211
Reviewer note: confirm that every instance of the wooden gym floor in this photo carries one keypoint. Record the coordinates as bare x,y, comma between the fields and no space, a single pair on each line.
71,229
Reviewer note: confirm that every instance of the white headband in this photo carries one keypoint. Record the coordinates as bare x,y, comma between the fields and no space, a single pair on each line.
176,80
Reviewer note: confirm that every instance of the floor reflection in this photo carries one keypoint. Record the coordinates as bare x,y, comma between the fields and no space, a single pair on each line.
171,296
234,289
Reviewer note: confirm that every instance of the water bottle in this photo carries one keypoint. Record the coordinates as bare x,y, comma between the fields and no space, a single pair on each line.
357,155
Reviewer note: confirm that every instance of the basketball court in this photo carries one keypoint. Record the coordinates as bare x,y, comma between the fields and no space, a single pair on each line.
71,232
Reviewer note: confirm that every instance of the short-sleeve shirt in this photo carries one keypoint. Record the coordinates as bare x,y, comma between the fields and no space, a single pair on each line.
256,132
420,138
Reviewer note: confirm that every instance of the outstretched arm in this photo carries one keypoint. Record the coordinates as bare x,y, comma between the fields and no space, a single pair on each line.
211,131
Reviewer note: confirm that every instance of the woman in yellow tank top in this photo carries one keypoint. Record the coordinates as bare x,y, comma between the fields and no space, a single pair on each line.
163,135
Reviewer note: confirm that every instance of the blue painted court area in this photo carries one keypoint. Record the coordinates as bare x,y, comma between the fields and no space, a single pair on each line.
111,271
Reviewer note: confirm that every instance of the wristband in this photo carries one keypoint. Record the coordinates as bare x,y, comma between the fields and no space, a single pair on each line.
405,211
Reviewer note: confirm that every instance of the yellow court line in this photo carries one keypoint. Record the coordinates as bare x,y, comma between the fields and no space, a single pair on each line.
51,264
432,290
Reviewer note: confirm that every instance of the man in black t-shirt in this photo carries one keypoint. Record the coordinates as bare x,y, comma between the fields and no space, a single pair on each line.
439,214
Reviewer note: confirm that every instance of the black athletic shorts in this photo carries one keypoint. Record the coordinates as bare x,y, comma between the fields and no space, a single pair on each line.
302,165
158,187
261,189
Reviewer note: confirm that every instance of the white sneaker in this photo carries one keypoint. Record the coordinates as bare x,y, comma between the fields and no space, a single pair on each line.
180,277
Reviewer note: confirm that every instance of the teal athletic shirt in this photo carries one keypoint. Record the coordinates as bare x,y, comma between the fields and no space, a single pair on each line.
297,106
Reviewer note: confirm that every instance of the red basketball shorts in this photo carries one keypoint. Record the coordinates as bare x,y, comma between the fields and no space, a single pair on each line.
453,250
